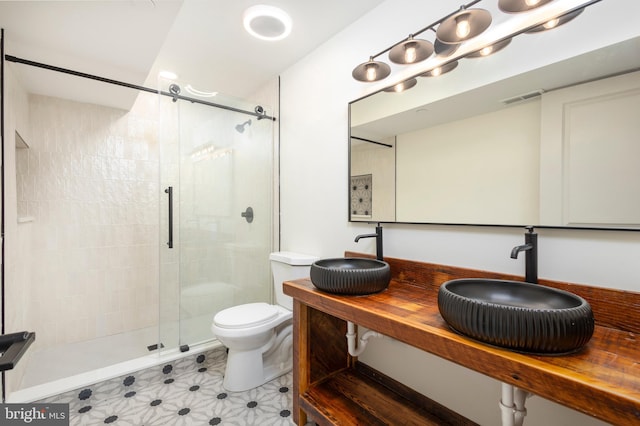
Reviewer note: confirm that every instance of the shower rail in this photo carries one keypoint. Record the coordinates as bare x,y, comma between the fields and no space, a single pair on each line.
259,113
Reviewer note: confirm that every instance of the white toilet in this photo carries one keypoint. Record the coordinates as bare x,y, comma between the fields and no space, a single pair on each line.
258,335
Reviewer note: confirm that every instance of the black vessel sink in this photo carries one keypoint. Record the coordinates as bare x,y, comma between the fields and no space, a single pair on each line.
521,316
351,275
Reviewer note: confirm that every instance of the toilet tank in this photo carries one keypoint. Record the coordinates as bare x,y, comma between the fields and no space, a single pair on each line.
286,266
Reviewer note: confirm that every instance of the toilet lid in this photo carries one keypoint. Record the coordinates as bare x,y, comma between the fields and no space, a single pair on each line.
248,315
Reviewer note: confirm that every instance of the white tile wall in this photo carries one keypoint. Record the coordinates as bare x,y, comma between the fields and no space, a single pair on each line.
91,183
18,271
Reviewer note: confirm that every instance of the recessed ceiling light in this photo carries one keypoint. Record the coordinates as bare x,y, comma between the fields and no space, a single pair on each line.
267,22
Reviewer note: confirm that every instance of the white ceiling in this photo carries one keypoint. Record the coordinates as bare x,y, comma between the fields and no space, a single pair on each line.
203,41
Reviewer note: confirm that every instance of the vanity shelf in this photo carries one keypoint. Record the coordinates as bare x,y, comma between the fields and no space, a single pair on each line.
363,396
333,388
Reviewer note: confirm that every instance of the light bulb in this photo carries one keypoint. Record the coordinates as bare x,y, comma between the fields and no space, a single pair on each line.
531,2
372,72
550,24
463,27
486,51
436,71
410,53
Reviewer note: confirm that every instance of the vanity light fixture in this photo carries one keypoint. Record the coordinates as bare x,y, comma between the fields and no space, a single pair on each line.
410,51
489,50
267,22
517,6
444,49
554,23
402,86
443,69
463,25
371,71
451,31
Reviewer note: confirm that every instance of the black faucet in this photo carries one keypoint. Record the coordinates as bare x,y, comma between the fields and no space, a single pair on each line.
378,237
531,258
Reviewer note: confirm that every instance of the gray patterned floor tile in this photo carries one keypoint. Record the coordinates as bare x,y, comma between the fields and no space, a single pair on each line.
186,392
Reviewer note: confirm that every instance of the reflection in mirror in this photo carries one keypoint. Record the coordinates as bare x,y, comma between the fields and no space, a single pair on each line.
373,165
493,182
550,145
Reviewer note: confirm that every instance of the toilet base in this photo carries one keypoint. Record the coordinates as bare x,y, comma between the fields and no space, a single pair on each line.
249,369
244,370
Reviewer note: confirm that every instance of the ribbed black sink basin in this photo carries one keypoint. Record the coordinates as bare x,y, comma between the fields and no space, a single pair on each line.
520,316
350,275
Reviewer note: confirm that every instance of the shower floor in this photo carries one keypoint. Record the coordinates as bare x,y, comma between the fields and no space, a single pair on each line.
60,362
73,358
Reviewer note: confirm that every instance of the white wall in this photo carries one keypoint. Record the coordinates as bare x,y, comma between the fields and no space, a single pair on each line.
314,195
498,173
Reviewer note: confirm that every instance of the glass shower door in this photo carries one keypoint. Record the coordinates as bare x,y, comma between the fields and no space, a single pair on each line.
216,166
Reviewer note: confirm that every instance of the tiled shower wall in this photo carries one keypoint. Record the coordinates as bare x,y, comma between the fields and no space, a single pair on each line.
17,270
90,182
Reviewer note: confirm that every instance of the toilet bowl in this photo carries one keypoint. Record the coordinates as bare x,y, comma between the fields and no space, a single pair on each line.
259,335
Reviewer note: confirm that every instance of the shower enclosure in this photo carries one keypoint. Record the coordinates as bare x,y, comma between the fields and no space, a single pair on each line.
216,213
94,194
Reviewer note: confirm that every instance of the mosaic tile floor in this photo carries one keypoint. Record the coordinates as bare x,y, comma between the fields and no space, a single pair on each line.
186,392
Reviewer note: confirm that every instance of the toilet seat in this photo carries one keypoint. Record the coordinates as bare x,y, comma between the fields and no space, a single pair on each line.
247,315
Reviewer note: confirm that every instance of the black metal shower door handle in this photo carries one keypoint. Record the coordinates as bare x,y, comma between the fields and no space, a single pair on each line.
169,191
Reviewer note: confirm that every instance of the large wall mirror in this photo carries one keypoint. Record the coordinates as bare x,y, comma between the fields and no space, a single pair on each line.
545,132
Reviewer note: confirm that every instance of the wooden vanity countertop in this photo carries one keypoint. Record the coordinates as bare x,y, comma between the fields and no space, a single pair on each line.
602,380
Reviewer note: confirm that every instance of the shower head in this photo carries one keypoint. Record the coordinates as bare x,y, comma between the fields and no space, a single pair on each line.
240,127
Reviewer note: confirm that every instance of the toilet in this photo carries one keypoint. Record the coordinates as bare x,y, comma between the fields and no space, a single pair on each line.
259,335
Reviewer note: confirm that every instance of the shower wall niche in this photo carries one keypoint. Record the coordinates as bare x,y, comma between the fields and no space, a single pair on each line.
22,171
